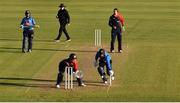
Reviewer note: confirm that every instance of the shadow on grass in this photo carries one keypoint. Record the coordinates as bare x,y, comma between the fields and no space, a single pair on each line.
29,79
18,50
40,83
10,50
28,82
93,83
28,85
37,40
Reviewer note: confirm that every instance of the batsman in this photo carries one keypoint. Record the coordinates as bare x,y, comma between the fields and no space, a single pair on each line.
104,59
69,62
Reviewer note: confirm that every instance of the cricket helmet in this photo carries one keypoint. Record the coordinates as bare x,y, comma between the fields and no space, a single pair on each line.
27,12
102,53
72,56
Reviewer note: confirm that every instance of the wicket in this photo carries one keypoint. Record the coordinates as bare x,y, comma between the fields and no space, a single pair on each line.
68,78
97,35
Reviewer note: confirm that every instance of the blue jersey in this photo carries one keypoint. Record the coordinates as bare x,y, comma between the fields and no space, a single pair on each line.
28,23
107,59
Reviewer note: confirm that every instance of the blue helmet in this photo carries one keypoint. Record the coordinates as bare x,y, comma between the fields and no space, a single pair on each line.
102,53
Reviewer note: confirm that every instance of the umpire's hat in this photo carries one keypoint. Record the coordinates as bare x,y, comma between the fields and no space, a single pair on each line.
62,5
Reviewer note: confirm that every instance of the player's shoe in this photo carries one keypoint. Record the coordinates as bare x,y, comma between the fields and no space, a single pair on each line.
112,51
57,40
57,86
29,50
68,40
23,51
105,82
104,79
83,85
120,51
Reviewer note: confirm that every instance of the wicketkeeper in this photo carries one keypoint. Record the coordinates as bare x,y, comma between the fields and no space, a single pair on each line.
104,59
27,24
69,62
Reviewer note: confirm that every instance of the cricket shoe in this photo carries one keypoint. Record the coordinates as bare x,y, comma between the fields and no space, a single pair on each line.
56,40
23,51
57,86
68,40
120,51
29,50
112,51
83,85
105,82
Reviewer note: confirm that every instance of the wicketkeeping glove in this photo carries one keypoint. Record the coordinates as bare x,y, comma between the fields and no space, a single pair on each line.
78,74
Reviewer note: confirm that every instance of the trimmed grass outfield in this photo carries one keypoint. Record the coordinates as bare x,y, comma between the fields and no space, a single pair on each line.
147,70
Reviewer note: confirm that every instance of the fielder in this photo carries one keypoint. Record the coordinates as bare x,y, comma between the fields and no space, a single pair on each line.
104,60
69,62
116,22
27,24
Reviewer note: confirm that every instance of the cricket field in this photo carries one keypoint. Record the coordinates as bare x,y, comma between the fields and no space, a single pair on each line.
147,70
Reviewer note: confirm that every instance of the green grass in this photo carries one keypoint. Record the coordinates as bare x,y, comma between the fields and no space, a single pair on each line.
147,70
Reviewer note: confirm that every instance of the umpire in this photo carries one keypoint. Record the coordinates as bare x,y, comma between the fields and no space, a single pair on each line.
116,22
64,19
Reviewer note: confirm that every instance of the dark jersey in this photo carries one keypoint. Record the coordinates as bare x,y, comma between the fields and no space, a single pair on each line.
63,16
68,63
114,22
63,64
